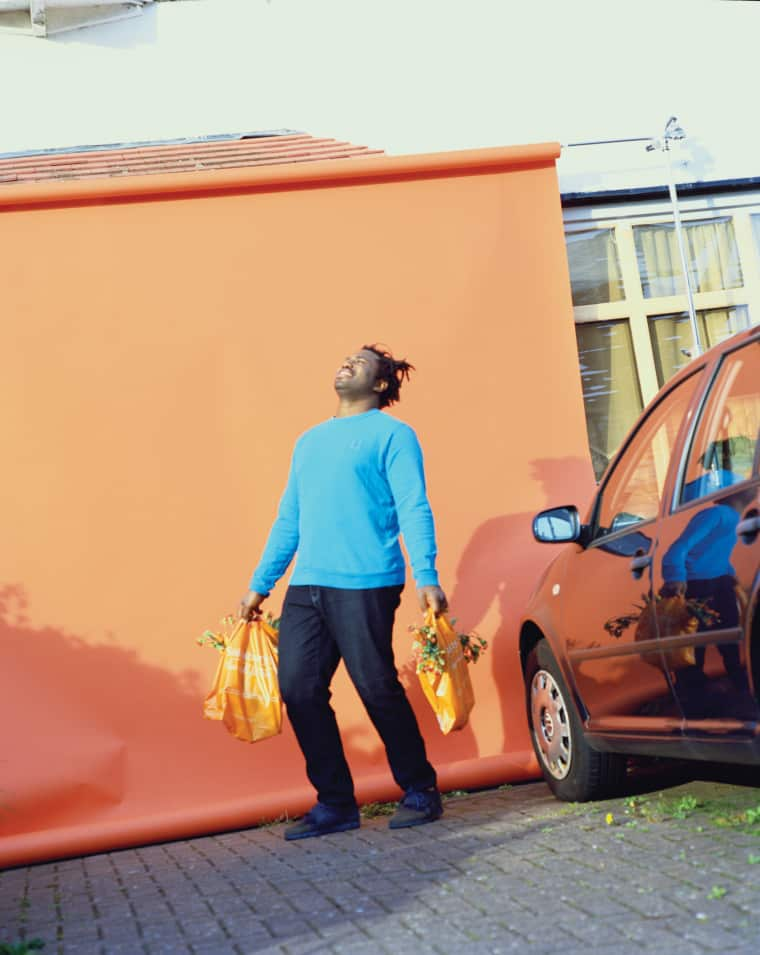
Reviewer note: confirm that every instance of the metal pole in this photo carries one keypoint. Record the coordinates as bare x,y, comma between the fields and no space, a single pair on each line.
609,142
682,251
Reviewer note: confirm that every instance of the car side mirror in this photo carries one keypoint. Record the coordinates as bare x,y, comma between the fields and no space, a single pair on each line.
558,525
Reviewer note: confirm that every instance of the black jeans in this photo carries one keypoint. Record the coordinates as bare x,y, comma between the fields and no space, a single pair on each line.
319,626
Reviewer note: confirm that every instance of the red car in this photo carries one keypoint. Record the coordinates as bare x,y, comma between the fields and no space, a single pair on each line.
643,635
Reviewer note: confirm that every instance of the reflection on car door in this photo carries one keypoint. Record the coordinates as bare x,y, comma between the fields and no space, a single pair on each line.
709,554
611,647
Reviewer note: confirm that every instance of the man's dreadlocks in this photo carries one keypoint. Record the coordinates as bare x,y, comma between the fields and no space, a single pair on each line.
390,370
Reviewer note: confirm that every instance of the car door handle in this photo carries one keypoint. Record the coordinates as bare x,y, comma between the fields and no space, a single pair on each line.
639,564
748,528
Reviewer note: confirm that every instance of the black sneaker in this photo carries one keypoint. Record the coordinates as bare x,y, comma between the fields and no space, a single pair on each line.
322,820
417,808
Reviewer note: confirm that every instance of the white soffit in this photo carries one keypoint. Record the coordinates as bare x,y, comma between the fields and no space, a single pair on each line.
44,17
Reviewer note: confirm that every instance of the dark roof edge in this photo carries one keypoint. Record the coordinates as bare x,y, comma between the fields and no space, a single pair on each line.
570,199
181,141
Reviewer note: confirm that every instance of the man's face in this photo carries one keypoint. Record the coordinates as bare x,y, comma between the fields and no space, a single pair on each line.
357,375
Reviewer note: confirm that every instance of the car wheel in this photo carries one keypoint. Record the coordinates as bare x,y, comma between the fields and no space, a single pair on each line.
573,770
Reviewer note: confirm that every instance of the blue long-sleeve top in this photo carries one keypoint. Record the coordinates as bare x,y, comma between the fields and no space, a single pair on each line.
355,484
703,550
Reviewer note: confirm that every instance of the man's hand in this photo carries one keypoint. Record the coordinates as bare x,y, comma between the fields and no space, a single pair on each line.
434,598
249,605
673,588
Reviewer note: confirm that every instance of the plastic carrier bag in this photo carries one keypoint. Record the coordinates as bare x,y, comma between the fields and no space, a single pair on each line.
667,616
443,672
245,694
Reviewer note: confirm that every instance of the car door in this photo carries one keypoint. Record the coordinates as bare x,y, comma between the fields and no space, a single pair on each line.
709,554
612,650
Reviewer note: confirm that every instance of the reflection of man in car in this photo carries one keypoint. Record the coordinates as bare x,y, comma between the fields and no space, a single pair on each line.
698,566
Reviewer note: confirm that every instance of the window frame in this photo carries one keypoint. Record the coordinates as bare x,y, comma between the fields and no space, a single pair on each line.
677,506
678,444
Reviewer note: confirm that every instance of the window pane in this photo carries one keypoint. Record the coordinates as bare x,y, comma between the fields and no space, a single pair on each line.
610,386
711,254
594,268
634,490
672,341
723,449
756,230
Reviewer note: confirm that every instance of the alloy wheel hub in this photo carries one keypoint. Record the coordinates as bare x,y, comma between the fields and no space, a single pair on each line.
550,724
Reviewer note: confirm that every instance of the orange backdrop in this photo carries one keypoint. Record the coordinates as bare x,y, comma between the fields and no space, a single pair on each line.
164,342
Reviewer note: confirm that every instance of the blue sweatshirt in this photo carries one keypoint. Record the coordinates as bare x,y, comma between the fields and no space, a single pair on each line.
703,551
355,483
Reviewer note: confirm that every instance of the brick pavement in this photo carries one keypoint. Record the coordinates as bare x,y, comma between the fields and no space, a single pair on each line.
508,870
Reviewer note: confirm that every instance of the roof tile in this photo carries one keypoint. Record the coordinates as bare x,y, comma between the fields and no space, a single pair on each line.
152,158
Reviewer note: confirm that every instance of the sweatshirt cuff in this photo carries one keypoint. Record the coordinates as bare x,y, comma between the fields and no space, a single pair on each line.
426,578
259,586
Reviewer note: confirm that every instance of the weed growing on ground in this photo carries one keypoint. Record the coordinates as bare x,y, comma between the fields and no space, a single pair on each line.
716,892
21,948
373,809
722,812
747,820
274,821
663,807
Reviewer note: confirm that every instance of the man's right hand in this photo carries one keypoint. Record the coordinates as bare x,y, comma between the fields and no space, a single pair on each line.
249,605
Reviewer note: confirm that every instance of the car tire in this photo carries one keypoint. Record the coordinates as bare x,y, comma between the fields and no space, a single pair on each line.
574,771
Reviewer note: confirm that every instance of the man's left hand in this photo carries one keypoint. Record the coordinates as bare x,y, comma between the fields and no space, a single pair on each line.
434,598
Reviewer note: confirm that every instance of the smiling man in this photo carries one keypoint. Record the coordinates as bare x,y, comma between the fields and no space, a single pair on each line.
356,482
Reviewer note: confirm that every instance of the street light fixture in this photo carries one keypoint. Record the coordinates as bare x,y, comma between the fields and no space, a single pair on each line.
674,133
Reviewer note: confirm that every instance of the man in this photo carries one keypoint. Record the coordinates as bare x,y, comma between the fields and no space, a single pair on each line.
356,481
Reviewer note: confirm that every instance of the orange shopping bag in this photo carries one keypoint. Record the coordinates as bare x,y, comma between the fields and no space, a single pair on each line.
667,616
442,670
245,694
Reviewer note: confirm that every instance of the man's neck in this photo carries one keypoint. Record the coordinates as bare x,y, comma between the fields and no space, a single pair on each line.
346,407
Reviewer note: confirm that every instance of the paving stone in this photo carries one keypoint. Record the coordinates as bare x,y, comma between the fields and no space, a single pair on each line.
215,948
503,871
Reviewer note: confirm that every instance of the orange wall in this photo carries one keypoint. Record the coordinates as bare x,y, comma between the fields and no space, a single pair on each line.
164,342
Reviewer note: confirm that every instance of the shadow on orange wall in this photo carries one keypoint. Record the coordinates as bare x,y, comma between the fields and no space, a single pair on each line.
501,564
81,768
102,759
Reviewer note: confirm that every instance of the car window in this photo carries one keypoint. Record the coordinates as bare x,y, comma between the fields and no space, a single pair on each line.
725,442
633,491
